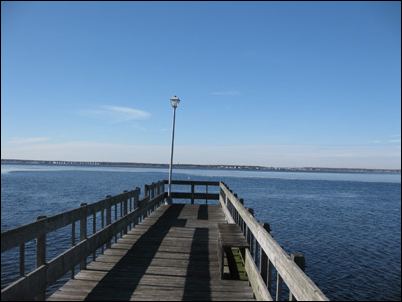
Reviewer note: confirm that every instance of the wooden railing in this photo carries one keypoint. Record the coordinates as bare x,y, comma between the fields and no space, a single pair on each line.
117,214
192,196
265,250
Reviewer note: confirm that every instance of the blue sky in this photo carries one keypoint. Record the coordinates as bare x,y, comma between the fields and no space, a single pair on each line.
282,84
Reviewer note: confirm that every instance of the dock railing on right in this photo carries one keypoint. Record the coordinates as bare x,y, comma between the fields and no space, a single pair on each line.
269,253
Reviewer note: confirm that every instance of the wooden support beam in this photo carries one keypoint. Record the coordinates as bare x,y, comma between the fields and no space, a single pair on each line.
41,260
301,262
83,235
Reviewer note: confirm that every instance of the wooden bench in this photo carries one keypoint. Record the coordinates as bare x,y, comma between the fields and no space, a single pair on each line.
229,235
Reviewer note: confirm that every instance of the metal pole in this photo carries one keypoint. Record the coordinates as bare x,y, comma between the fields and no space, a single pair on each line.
171,159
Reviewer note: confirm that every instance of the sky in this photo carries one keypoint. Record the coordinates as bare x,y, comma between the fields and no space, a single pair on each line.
276,84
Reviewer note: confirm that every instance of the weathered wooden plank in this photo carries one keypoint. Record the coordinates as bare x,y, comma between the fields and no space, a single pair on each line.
153,278
183,195
155,291
161,259
257,283
26,288
197,183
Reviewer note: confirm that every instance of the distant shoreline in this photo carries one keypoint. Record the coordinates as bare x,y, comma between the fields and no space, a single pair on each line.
247,167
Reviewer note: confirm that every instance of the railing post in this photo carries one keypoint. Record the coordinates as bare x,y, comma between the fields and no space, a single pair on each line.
93,232
108,218
301,262
136,199
161,189
249,235
265,263
102,226
206,191
152,190
72,244
145,205
40,247
22,259
125,211
41,260
240,219
192,193
115,219
83,235
279,288
136,205
234,212
146,188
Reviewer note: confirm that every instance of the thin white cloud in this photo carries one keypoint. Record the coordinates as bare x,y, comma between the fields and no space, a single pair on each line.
128,114
229,92
20,140
118,114
395,141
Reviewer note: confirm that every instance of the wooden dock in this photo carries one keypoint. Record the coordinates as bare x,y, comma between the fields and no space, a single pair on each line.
170,256
150,249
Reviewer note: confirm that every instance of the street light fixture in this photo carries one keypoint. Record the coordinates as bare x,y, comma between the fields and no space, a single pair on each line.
175,102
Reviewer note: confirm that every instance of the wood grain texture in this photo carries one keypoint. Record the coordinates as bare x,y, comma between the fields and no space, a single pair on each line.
170,255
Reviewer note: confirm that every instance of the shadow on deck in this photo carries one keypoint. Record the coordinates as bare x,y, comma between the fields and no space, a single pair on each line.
171,255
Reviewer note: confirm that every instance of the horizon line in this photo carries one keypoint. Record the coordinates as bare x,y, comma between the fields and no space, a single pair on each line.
86,162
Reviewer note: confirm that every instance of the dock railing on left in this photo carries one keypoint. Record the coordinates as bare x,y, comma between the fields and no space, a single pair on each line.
117,215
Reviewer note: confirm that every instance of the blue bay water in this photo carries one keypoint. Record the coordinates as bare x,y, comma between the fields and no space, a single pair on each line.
347,225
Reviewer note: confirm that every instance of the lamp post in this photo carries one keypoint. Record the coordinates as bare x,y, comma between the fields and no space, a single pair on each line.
175,102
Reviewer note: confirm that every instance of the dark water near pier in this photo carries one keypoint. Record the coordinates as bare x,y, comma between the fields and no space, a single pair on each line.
347,225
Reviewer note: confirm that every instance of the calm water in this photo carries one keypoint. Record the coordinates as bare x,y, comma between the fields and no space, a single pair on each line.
347,225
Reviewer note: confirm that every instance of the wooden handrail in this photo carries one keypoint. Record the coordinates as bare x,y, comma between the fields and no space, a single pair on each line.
15,237
194,195
33,284
297,281
193,182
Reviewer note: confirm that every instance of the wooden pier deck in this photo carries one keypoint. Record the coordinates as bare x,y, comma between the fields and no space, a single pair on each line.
171,255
